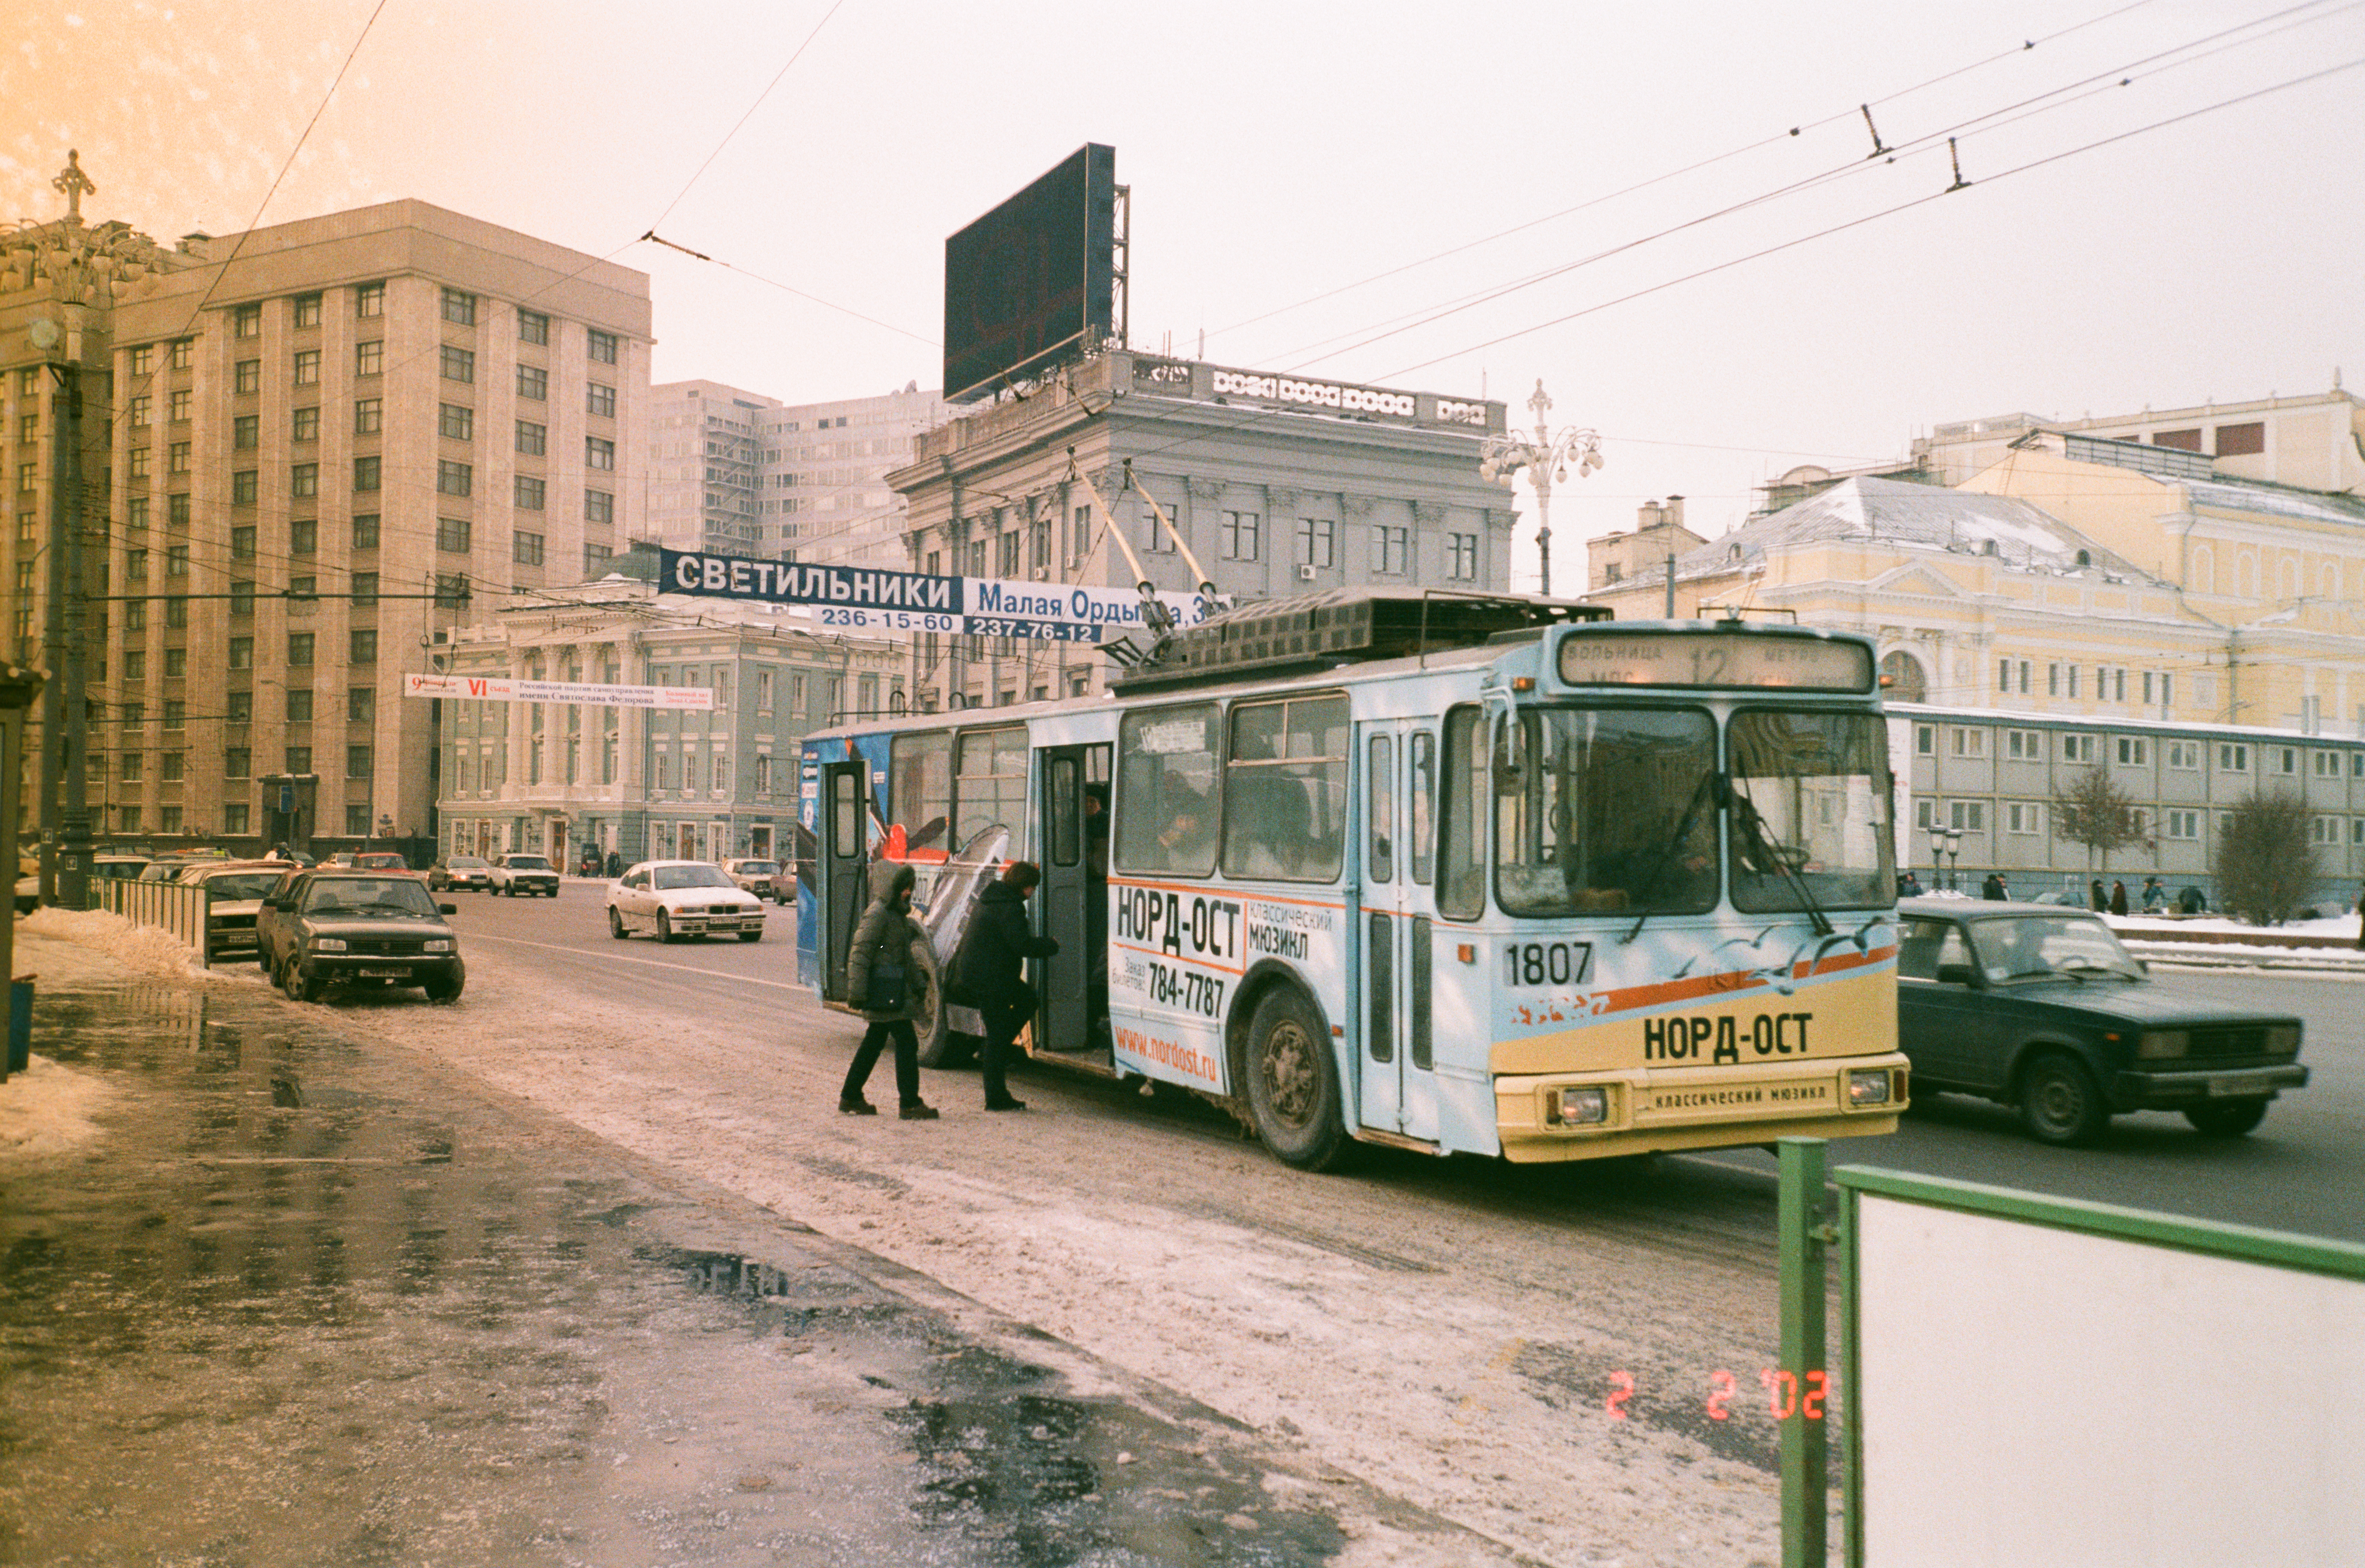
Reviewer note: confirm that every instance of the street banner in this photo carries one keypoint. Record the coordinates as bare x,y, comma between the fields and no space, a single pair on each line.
498,688
865,599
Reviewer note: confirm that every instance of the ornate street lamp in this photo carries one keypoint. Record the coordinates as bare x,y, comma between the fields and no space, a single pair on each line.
1545,458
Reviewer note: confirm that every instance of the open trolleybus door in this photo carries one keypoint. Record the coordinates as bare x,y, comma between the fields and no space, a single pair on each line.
1074,903
1397,953
846,864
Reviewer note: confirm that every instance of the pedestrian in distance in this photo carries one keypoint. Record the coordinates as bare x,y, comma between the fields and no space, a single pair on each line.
1908,886
2118,898
885,984
989,972
2360,919
2094,896
1993,887
2154,896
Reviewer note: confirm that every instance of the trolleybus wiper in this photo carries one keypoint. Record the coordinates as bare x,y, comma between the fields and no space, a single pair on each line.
1713,790
1785,859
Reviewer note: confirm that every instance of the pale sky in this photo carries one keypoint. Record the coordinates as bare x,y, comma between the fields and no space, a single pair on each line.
1279,151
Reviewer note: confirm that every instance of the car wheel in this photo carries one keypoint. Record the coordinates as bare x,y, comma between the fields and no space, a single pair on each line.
664,926
616,925
2059,1102
303,986
2229,1118
751,936
444,992
1292,1084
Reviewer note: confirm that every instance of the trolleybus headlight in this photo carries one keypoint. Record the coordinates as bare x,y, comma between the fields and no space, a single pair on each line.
1583,1107
1869,1087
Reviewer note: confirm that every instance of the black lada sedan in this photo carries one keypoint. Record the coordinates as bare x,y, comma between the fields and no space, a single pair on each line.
327,928
2042,1008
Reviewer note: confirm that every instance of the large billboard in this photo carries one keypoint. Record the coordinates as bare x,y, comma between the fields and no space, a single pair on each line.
1034,279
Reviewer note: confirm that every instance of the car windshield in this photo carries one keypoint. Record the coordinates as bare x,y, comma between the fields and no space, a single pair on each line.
756,867
2049,945
466,863
242,885
380,862
363,896
690,877
1605,810
1816,787
526,863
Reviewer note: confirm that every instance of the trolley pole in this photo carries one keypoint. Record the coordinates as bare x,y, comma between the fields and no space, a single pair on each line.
1800,1387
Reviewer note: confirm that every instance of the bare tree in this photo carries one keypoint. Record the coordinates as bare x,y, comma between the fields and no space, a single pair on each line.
2265,864
2093,812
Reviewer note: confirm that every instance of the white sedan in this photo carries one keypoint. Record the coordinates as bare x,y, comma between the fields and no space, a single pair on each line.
681,898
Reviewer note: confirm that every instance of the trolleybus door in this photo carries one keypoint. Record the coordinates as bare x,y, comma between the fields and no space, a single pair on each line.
1399,780
845,882
1072,886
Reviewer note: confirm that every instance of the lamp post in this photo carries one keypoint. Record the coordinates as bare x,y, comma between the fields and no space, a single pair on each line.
1545,458
1954,859
1937,858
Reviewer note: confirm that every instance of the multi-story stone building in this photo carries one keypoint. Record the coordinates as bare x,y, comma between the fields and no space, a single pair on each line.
559,779
1277,485
2315,442
318,447
706,468
826,500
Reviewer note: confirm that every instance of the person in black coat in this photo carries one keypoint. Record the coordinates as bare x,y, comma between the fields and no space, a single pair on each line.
2118,898
1993,887
990,973
2097,899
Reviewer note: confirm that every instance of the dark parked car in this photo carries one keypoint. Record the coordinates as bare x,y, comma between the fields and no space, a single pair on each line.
335,927
2043,1009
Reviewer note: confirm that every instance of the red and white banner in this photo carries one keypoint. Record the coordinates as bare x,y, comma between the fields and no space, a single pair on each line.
498,688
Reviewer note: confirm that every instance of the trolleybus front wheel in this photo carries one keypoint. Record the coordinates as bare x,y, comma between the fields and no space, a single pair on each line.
1294,1084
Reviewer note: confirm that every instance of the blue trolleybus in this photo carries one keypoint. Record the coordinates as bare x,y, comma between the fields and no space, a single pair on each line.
1445,872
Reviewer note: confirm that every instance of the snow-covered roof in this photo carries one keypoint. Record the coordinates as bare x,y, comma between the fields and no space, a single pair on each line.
2276,500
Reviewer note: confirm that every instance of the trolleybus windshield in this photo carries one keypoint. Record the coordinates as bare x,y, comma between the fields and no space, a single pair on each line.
1820,785
1598,812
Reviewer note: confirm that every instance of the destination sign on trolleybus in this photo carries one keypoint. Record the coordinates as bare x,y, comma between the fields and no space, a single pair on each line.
863,598
1604,658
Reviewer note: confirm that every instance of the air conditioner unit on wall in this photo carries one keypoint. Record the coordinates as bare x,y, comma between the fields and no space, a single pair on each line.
1306,573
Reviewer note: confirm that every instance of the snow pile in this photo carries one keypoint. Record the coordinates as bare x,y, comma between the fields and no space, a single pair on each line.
50,1109
144,949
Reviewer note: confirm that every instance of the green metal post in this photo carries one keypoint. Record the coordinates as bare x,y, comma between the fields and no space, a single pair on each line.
1800,1391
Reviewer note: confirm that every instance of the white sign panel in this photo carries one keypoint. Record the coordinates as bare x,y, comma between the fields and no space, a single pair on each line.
497,689
2030,1395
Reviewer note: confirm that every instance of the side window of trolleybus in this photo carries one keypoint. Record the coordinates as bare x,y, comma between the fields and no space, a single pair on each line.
990,796
1817,785
1166,797
920,816
1462,824
1285,789
1605,810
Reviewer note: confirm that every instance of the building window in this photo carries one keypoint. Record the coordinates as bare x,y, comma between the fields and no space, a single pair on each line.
299,705
237,762
529,492
364,649
456,422
2023,816
369,299
2134,751
136,470
1462,557
1970,741
365,530
299,652
184,353
2182,824
532,438
721,774
134,565
534,382
369,358
1967,816
451,588
176,457
2183,441
135,666
308,367
1925,740
303,590
2286,757
601,346
2078,748
246,321
131,814
177,614
246,432
2241,441
176,714
601,401
459,364
245,487
1010,547
2183,754
360,704
308,311
299,759
533,326
239,706
178,406
453,478
176,562
2233,757
599,506
304,424
135,411
304,480
459,309
1390,550
1240,535
1318,542
595,562
598,452
525,549
451,534
357,766
144,363
2024,745
303,536
369,416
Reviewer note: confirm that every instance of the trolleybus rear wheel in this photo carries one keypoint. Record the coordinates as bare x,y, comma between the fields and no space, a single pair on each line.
1293,1088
